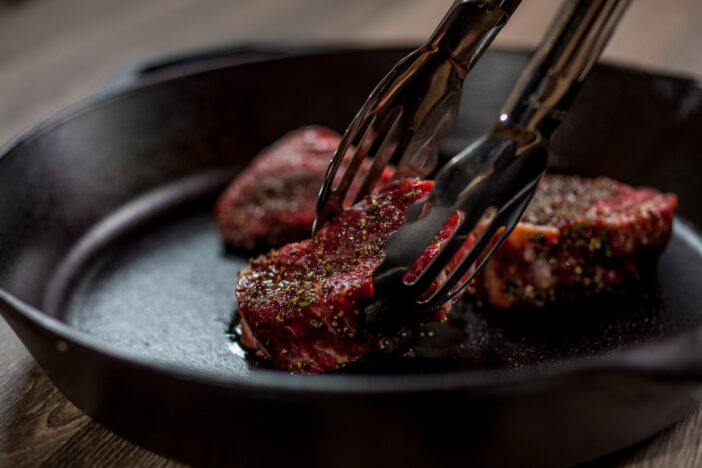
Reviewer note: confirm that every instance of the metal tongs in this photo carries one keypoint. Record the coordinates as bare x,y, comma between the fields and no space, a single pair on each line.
414,105
499,173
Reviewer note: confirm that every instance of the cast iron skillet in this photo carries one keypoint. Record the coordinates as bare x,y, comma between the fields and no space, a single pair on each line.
114,279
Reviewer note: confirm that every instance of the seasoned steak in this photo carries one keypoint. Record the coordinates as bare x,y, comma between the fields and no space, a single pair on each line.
273,201
301,306
578,237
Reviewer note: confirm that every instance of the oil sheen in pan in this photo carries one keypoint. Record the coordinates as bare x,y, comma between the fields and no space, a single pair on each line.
156,282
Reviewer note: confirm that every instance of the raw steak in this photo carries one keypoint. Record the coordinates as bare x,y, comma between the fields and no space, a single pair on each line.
578,237
273,201
301,306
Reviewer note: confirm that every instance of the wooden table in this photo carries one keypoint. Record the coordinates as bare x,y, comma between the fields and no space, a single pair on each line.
53,53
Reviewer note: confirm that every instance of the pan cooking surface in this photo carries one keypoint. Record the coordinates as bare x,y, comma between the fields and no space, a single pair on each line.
166,292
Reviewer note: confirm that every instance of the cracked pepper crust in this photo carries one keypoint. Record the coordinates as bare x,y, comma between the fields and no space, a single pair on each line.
301,306
578,237
303,302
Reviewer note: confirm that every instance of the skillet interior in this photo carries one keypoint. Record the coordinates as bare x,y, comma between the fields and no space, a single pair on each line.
159,152
166,293
153,278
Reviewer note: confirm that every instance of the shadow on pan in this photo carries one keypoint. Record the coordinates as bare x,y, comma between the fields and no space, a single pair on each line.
113,277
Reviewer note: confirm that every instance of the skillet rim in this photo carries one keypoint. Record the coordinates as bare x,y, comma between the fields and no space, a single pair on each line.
650,358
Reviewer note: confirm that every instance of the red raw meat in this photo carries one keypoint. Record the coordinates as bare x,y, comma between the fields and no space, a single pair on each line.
273,201
301,306
578,237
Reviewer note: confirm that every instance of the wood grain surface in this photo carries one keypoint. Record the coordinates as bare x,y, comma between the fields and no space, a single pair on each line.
56,52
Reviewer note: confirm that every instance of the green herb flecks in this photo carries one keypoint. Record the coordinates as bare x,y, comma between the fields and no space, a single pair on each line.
577,227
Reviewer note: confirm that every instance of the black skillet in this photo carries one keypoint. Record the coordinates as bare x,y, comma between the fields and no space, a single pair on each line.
113,277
